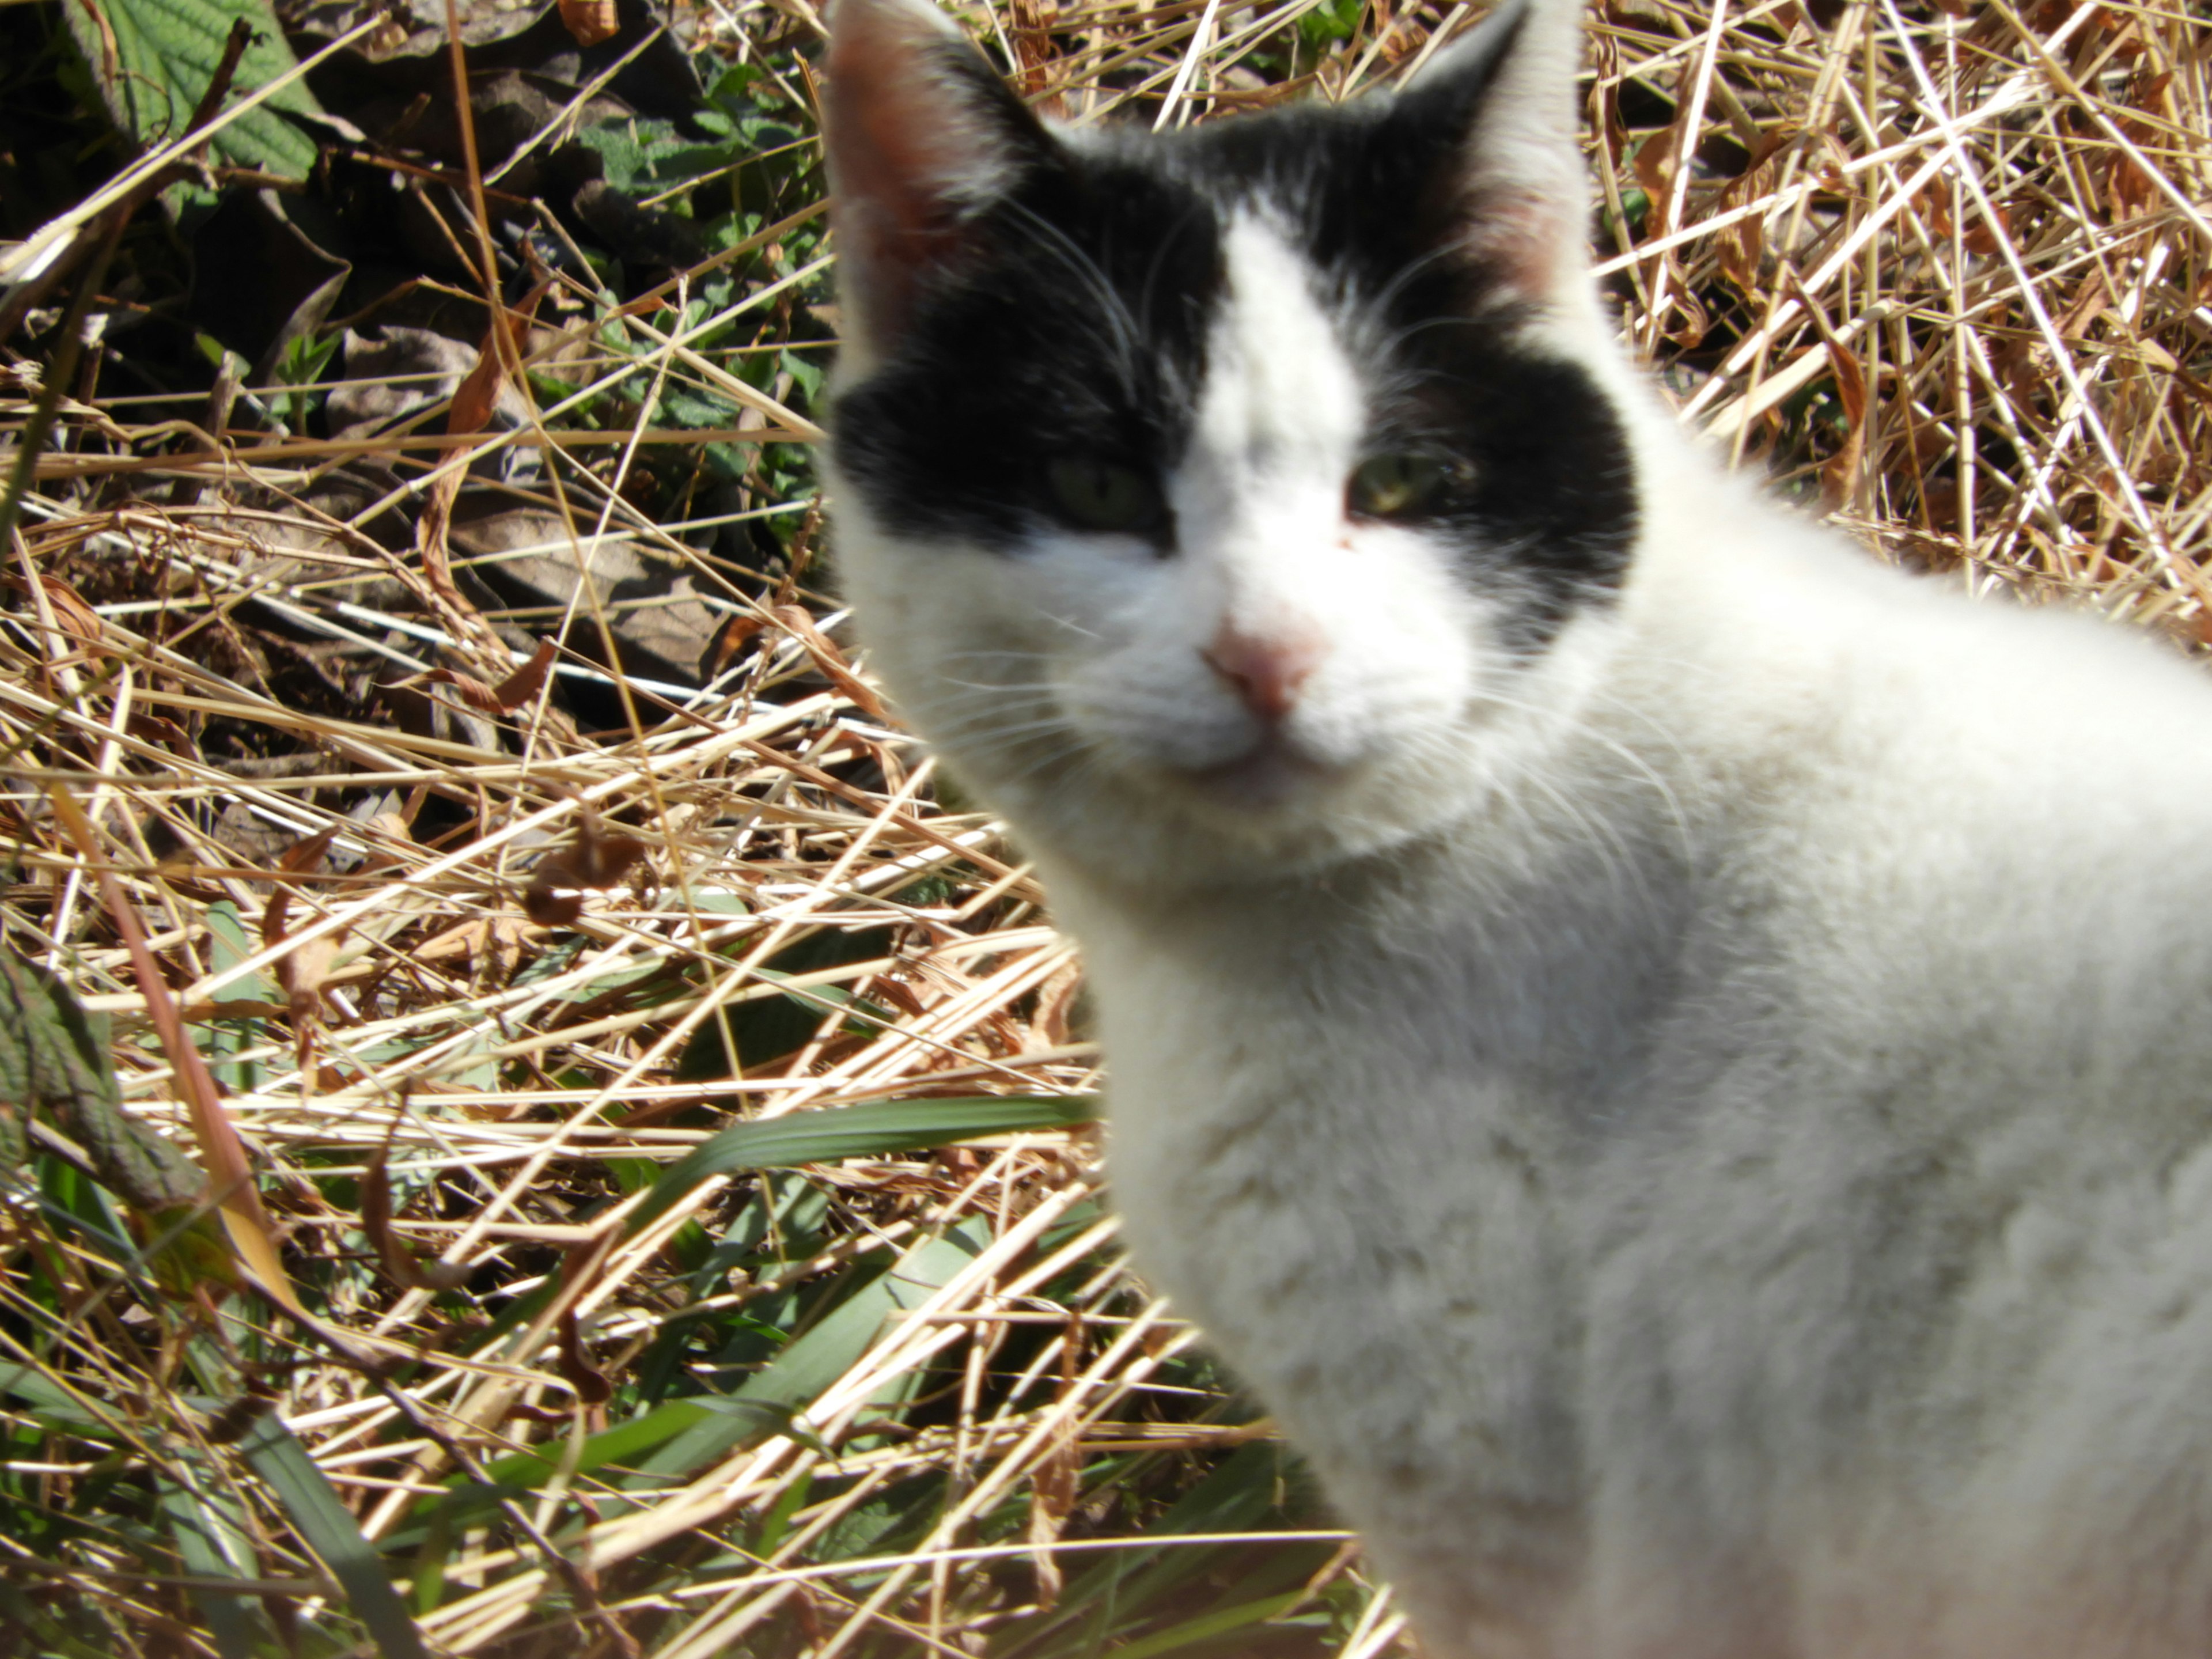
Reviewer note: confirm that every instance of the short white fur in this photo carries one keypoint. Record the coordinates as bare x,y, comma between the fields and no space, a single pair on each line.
1703,1133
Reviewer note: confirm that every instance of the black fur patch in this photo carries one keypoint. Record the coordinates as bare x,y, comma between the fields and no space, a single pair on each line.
1074,321
1070,321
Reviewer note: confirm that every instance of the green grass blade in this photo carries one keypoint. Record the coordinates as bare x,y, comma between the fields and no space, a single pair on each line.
212,1544
1209,1626
873,1129
1119,1592
797,1377
328,1528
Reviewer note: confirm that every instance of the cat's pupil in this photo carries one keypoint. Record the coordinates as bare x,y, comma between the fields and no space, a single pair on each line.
1395,485
1104,496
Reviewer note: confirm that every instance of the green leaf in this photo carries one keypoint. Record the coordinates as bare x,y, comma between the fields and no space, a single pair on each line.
211,1542
622,1444
54,1054
1119,1591
767,1028
163,57
871,1130
1332,20
807,377
328,1528
1209,1625
682,406
646,156
51,1405
810,1363
229,945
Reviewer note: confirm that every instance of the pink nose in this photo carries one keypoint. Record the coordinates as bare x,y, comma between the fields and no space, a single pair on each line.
1267,668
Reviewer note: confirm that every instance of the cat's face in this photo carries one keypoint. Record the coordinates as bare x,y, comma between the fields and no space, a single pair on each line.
1233,498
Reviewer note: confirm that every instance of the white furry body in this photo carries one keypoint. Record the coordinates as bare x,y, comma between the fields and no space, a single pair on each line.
1745,1188
1771,1216
1702,1131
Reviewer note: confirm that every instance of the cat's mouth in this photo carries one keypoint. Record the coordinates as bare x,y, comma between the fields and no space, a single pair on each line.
1272,774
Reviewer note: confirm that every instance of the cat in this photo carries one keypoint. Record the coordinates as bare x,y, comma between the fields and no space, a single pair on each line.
1675,1059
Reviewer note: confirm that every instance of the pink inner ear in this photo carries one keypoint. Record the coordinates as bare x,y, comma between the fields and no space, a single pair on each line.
1525,237
899,148
1520,236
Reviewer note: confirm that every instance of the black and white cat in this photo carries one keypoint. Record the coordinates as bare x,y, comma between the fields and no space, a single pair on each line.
1676,1060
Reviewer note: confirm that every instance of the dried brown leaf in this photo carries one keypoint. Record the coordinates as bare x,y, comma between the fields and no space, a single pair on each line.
222,1153
590,21
301,970
164,732
829,658
597,858
1054,1484
580,1264
741,627
1654,170
77,619
401,1265
520,687
590,1384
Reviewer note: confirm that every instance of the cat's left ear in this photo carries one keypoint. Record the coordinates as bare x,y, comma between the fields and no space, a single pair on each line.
921,135
1500,103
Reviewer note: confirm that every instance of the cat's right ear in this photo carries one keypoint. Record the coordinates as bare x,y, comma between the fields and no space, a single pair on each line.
1504,97
922,136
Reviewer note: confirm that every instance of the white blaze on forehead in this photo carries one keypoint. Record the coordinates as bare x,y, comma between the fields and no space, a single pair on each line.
1281,396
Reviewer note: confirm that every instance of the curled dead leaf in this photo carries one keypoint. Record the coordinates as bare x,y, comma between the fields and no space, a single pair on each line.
509,695
301,970
597,858
829,658
1054,1483
520,687
590,21
1839,473
578,1268
742,626
79,620
1655,170
162,731
590,1384
401,1265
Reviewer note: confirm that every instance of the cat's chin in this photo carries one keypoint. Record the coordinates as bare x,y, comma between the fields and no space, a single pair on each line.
1273,812
1271,776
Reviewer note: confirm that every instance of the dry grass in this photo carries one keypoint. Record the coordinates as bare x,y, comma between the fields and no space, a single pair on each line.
1945,276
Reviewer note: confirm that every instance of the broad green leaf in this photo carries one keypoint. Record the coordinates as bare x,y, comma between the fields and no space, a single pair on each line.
744,1035
622,1444
152,61
54,1054
684,1436
1332,20
328,1528
646,156
229,944
51,1404
871,1130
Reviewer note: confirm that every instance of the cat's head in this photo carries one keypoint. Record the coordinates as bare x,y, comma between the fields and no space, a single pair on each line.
1231,498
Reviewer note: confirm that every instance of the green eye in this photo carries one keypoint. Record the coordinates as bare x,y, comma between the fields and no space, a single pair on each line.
1104,496
1397,485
